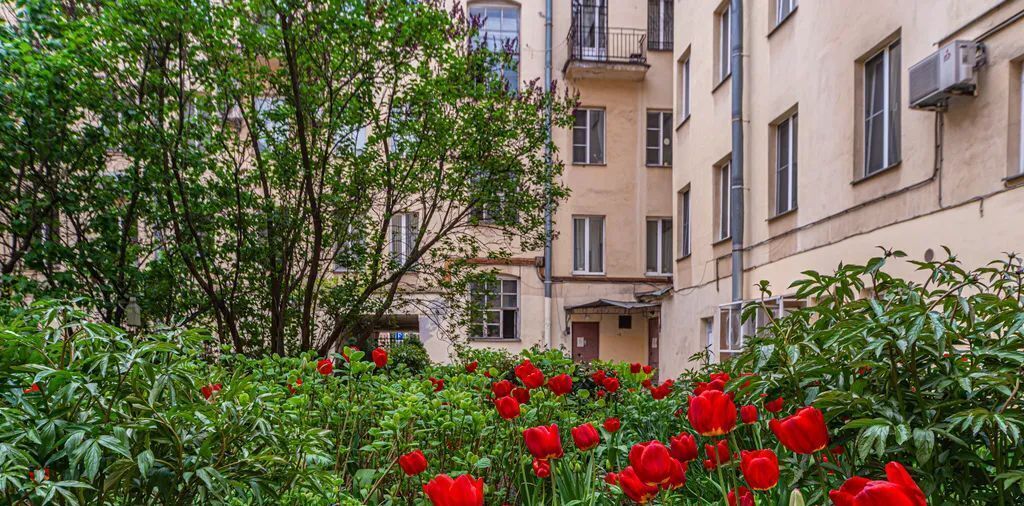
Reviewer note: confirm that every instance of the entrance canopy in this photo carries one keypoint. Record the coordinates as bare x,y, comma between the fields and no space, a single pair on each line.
607,306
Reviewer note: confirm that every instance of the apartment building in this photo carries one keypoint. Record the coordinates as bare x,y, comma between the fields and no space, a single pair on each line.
838,156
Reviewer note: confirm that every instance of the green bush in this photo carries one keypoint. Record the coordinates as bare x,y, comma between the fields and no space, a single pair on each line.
410,354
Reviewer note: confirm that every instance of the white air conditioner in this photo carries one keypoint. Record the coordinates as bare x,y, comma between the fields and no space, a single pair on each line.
948,72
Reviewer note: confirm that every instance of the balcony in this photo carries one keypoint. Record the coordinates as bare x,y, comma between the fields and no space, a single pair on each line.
597,51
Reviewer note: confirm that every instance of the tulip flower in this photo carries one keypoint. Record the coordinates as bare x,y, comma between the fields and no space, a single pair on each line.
585,436
39,475
598,377
501,388
746,497
325,366
611,478
774,406
648,369
683,447
529,374
521,394
413,463
748,413
717,454
380,357
661,391
677,478
208,391
611,384
712,413
561,384
543,442
651,461
32,389
804,432
898,489
462,491
760,468
612,425
646,383
635,367
508,407
294,388
438,384
634,487
471,367
541,468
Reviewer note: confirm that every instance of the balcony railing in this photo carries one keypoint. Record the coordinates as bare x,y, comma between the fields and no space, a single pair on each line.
590,39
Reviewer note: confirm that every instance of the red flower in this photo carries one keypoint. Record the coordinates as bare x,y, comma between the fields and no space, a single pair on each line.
543,442
760,468
746,497
209,390
541,468
380,357
471,367
717,454
521,394
45,472
561,384
508,408
585,436
325,366
611,384
529,374
294,388
712,413
413,463
646,383
344,355
661,391
438,384
648,369
634,487
651,461
748,413
32,389
774,406
612,425
677,478
598,377
501,388
462,491
635,367
898,489
804,432
487,374
611,478
684,447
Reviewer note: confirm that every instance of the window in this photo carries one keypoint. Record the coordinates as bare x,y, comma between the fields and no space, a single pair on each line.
588,244
588,136
684,220
882,109
498,305
268,109
659,25
659,138
659,246
723,186
724,59
707,325
734,332
684,88
783,8
404,230
785,165
500,32
625,321
1020,120
349,251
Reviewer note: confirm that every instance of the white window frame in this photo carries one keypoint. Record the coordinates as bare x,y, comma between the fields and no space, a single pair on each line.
587,244
791,124
498,45
684,112
724,42
402,248
662,235
684,223
724,200
664,29
783,8
663,131
589,136
1020,121
887,113
737,331
500,309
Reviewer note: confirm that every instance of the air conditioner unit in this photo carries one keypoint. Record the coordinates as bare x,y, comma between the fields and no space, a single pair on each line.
948,72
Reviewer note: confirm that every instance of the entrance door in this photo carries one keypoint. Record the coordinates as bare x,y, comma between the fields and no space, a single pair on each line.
585,344
653,333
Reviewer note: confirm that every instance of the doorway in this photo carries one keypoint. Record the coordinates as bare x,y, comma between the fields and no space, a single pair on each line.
586,345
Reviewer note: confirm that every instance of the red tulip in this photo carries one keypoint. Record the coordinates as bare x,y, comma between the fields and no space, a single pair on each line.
294,388
209,390
748,413
521,394
598,377
529,374
774,406
543,442
438,384
684,447
611,384
712,413
561,384
325,366
380,357
677,478
611,478
648,369
471,367
646,383
635,367
612,425
585,436
508,407
32,389
501,388
760,468
661,391
541,468
804,432
462,491
634,487
717,454
44,473
898,489
651,461
413,463
746,497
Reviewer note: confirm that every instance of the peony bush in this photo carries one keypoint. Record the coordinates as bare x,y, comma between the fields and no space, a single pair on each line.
880,392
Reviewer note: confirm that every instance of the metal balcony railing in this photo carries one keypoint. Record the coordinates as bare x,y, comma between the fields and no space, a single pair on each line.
590,38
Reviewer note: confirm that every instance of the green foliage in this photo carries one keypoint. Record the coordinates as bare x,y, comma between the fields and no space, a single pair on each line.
410,354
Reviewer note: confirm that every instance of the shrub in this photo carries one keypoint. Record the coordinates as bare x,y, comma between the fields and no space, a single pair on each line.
410,354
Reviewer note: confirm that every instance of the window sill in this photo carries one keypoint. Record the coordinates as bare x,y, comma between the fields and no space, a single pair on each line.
658,166
685,120
722,240
782,214
782,22
1014,180
584,273
494,340
658,274
583,164
883,170
684,257
721,82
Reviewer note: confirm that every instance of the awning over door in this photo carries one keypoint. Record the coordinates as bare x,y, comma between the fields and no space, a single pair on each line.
607,306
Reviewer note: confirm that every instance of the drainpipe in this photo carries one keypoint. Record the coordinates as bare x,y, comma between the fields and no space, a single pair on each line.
736,164
548,335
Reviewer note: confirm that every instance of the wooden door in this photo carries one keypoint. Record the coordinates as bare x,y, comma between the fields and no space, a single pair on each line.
585,343
653,334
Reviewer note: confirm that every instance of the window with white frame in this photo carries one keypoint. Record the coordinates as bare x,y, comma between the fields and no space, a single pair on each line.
707,326
785,164
733,331
404,230
659,246
500,32
684,88
588,244
588,136
684,223
724,57
496,306
1020,120
659,138
783,8
723,179
659,25
882,109
350,249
